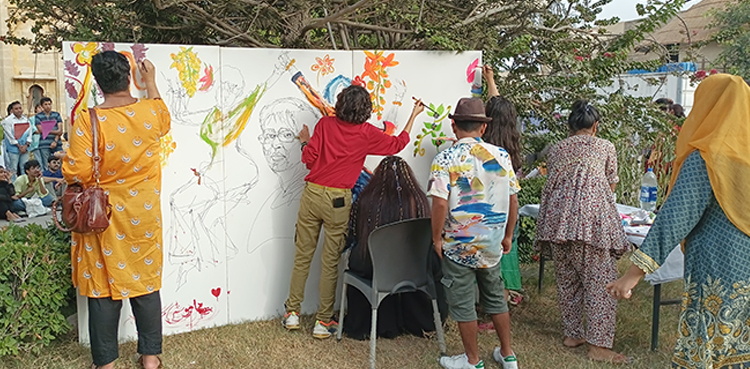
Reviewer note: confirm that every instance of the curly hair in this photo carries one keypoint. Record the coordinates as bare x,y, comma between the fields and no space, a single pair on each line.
353,105
112,71
393,194
502,130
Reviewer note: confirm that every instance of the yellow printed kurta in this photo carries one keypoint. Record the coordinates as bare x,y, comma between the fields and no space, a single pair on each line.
125,260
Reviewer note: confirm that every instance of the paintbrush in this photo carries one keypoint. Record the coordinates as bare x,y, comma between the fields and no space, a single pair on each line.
434,113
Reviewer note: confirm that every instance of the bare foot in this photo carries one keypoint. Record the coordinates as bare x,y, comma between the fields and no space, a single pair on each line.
150,361
10,215
573,342
597,353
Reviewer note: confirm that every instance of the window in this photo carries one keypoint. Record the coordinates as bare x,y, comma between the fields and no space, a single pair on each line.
36,93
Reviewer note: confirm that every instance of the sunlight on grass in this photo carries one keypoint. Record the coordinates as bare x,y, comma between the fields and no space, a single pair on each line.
537,341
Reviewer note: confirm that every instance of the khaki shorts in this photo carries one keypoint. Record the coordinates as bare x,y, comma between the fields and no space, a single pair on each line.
459,282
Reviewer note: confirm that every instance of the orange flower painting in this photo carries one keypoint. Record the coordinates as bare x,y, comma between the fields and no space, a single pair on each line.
376,70
323,66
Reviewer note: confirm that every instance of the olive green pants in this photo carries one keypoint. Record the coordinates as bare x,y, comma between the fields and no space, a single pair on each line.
328,208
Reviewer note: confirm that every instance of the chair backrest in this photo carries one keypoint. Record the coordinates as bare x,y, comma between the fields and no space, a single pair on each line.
399,253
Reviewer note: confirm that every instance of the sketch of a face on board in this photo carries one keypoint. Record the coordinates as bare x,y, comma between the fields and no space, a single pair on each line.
280,121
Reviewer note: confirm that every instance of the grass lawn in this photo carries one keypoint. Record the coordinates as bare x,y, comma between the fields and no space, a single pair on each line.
536,333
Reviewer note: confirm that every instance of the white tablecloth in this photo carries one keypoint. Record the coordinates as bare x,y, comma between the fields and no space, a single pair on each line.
671,270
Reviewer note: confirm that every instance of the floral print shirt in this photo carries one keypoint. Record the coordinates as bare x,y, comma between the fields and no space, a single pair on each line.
477,179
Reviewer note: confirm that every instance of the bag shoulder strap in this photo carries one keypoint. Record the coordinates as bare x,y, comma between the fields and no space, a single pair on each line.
54,216
95,150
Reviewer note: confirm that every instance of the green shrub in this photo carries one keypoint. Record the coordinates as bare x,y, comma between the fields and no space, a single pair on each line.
531,192
35,286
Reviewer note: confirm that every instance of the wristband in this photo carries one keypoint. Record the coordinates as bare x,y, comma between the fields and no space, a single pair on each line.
302,147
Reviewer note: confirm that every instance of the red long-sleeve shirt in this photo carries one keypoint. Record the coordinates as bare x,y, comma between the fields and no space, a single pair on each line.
337,150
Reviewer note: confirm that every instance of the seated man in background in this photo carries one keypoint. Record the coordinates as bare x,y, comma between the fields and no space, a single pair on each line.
31,184
53,178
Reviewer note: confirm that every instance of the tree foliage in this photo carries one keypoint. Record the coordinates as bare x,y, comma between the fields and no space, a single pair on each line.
733,25
547,52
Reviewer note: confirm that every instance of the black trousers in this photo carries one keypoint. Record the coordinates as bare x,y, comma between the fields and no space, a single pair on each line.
104,319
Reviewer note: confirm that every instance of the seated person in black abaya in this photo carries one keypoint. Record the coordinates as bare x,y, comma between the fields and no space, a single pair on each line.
392,194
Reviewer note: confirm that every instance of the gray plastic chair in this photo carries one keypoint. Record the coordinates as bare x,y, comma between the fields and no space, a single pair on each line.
399,253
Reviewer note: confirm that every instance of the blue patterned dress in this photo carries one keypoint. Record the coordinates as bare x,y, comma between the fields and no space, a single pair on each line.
714,327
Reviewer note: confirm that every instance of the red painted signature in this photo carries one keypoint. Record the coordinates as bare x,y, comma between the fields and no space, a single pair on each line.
176,315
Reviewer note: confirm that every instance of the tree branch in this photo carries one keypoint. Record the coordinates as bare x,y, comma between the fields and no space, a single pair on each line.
225,28
485,14
372,27
333,17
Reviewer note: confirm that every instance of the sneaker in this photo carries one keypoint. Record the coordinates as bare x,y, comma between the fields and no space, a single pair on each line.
459,362
325,330
291,320
508,362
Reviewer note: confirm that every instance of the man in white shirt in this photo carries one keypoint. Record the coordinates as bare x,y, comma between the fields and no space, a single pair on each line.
16,147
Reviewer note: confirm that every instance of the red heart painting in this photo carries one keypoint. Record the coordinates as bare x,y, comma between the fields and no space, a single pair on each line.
216,292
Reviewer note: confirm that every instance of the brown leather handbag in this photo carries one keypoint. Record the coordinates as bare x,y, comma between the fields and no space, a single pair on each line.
85,209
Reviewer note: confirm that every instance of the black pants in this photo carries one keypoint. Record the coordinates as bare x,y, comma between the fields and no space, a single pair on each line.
104,319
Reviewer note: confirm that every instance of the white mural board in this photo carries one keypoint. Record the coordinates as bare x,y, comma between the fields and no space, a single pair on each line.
232,175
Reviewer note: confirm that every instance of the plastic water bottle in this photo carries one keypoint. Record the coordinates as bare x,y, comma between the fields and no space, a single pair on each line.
648,191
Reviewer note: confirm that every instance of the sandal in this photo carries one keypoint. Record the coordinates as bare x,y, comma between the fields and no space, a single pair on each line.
514,298
486,327
140,362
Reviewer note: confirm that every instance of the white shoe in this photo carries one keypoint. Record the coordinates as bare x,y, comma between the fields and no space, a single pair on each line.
459,362
508,362
291,320
325,330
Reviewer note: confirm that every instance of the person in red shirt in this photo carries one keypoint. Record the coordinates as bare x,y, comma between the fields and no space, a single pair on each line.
334,154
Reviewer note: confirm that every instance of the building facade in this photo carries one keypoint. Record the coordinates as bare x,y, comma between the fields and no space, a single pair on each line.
26,75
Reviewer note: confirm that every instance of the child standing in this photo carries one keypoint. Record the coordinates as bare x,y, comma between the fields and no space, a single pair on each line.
578,219
473,189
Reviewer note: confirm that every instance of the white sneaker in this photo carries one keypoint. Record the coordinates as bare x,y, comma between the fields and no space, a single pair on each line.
508,362
459,362
291,320
325,330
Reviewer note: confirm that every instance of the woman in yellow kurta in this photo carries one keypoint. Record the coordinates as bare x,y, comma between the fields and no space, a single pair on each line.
125,261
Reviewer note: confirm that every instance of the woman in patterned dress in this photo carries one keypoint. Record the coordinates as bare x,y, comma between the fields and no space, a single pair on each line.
708,208
578,220
125,261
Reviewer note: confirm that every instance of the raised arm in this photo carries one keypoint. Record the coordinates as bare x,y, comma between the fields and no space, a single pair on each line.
489,76
382,144
148,71
415,111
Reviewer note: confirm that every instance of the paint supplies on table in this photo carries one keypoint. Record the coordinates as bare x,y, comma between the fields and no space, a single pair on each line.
638,217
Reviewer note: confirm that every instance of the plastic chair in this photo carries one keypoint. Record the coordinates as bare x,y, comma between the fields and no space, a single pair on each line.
399,254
